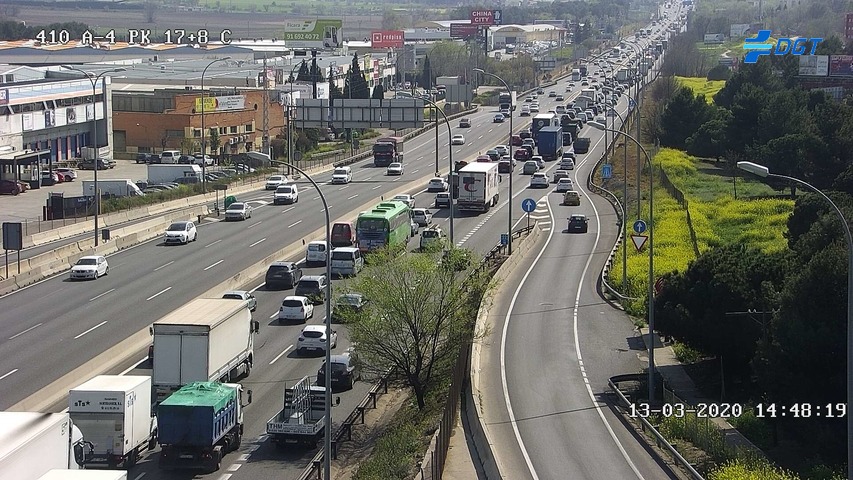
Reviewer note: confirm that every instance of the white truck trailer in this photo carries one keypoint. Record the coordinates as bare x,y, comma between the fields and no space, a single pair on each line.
123,187
31,444
302,419
479,184
206,340
164,173
84,475
114,414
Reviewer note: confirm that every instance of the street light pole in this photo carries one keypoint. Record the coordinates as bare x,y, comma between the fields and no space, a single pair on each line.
450,160
93,79
763,171
651,289
509,143
624,211
639,81
290,115
203,145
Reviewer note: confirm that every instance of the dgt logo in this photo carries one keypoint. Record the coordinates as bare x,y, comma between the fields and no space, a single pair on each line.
795,46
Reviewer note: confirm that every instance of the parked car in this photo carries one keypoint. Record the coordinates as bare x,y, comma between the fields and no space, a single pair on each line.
313,339
181,232
282,275
141,158
68,173
238,211
295,307
103,164
345,372
9,187
90,267
242,295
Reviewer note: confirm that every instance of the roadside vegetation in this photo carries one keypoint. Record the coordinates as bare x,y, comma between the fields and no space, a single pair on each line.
753,271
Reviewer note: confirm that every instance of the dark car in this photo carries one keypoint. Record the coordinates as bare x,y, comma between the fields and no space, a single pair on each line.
499,118
102,164
522,154
464,123
347,305
493,155
526,133
578,224
313,287
283,275
9,187
505,166
141,158
345,371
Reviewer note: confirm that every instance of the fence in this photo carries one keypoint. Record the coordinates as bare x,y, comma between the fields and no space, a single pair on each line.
679,197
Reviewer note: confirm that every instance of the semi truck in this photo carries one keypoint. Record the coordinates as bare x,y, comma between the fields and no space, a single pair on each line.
584,70
507,100
387,150
31,444
57,474
123,187
582,144
622,75
208,339
550,143
542,120
302,418
163,173
576,74
114,414
479,187
199,424
571,129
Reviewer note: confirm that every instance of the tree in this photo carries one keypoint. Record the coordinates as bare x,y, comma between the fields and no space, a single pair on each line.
419,309
709,140
334,91
682,117
378,92
720,72
356,86
213,142
426,76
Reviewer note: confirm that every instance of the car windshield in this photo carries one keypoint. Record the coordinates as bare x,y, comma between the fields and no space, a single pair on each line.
341,255
284,189
395,165
336,367
309,285
233,296
430,234
340,171
175,227
383,147
236,206
279,268
312,334
291,303
87,261
276,178
372,224
351,300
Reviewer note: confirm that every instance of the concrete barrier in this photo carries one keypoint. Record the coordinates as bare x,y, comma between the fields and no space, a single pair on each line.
480,434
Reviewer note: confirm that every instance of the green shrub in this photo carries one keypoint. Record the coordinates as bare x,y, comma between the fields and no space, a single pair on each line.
392,455
685,354
753,428
753,469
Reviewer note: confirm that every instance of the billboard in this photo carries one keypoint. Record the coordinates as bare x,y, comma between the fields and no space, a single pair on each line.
714,38
463,30
387,39
841,65
486,17
814,65
4,96
220,104
320,33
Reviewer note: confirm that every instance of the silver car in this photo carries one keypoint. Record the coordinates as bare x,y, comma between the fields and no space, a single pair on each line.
238,211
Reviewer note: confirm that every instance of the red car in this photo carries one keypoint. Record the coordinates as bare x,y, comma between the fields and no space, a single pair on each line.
516,140
9,187
521,154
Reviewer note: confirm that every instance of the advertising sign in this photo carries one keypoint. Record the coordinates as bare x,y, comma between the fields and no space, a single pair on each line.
387,39
714,38
738,30
841,65
219,104
463,30
4,96
320,33
814,65
486,17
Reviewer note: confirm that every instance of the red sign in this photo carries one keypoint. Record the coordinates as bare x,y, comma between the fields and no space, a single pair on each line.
387,39
463,30
483,17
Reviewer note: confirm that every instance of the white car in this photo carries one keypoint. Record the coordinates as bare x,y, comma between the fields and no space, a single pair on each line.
244,296
539,180
443,200
295,308
539,161
395,168
421,216
313,339
285,194
564,185
276,181
405,198
68,173
437,184
205,160
90,267
501,149
525,111
238,211
458,139
181,232
342,175
567,164
534,108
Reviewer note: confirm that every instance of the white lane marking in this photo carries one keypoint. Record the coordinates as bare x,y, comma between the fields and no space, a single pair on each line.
213,265
350,198
344,187
254,225
25,331
138,477
294,224
323,209
167,264
287,209
10,372
161,292
234,467
281,354
416,171
258,242
101,295
224,476
316,198
243,458
212,243
378,186
89,330
259,286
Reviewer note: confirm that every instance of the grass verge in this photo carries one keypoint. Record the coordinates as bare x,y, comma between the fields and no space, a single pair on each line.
703,86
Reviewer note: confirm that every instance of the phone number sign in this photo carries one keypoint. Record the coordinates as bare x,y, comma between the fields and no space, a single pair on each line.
486,17
301,36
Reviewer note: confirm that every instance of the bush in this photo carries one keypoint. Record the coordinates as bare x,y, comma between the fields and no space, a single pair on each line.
720,72
755,429
752,469
685,354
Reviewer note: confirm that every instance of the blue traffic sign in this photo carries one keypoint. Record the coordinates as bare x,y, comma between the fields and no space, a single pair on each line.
606,171
639,226
504,239
528,205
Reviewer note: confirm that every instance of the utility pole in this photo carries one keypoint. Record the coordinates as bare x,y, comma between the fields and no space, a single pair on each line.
314,72
265,141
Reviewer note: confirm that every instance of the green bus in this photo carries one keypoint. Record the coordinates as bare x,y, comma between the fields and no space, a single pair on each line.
387,223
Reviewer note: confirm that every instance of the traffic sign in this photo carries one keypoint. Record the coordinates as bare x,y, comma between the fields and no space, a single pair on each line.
504,239
606,171
528,205
639,241
640,226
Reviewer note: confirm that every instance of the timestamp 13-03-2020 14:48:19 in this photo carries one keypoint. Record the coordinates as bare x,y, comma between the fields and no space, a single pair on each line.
735,410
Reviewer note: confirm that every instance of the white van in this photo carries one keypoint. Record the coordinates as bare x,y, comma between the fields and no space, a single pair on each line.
169,156
342,175
346,261
316,252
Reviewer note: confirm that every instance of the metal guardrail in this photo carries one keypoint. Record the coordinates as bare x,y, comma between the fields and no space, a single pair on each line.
660,441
